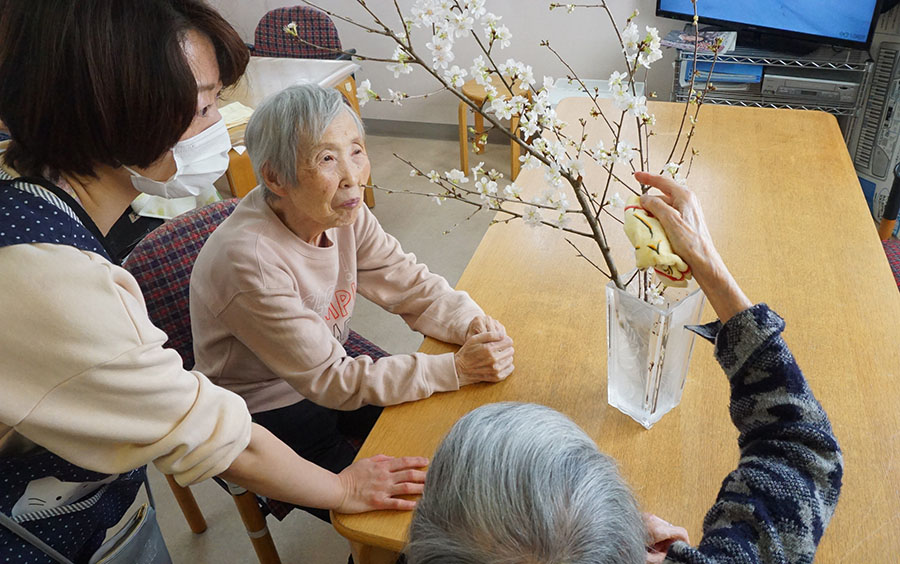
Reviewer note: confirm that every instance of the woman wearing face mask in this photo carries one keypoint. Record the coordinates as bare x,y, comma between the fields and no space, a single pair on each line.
104,99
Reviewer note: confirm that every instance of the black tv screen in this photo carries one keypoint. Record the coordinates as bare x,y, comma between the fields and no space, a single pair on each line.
837,22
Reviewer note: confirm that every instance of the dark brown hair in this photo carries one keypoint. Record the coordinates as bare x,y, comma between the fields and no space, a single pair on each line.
88,82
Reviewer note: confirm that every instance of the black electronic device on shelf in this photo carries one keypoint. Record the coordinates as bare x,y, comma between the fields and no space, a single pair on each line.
785,25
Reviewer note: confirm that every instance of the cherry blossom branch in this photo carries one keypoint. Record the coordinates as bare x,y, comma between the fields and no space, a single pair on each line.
454,187
482,206
692,96
699,102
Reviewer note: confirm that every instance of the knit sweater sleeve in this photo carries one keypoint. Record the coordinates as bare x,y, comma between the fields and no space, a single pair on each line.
395,281
775,506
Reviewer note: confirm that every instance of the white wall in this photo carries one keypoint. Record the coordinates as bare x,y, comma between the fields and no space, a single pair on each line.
585,38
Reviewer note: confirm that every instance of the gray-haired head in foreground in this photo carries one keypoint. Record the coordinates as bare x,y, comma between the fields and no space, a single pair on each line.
288,125
516,483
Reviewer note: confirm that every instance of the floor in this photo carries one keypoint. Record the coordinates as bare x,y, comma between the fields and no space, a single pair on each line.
419,224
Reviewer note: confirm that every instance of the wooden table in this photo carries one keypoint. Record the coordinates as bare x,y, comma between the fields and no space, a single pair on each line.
785,208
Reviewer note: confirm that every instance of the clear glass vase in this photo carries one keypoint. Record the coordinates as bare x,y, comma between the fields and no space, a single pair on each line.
648,348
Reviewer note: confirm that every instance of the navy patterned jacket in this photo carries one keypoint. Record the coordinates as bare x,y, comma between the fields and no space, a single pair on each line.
775,506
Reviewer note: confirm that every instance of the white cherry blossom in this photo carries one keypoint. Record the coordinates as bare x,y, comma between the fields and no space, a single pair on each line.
441,51
455,76
618,83
650,48
528,126
625,153
456,176
511,67
429,12
635,105
364,92
480,71
512,191
486,187
475,7
553,178
402,65
460,23
532,216
503,37
631,37
605,158
502,108
490,22
671,169
576,167
529,161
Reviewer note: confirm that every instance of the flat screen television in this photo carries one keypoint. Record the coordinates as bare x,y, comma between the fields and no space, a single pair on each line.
849,23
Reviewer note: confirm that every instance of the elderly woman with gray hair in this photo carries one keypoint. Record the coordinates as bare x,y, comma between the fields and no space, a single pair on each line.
515,483
273,290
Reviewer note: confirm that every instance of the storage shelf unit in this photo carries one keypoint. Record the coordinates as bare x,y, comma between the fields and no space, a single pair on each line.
845,65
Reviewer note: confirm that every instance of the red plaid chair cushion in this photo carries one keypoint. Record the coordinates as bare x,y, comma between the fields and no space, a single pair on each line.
162,265
892,250
313,26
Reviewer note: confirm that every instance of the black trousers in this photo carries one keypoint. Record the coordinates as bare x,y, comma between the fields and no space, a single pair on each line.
326,437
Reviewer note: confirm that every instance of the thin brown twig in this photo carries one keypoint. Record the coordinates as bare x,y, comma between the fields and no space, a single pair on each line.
346,19
636,272
700,101
442,182
584,87
687,104
582,255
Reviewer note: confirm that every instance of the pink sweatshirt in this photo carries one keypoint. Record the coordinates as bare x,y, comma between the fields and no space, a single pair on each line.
269,313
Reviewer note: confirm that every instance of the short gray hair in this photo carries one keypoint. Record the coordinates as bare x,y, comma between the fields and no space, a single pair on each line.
517,482
289,122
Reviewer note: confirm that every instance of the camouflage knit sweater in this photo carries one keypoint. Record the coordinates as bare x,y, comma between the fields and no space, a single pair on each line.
775,506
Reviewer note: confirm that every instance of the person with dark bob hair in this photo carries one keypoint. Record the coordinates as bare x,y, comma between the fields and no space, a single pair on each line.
104,99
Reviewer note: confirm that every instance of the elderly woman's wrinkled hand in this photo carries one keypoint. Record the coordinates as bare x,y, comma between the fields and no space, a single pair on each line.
678,210
375,483
484,324
485,357
661,535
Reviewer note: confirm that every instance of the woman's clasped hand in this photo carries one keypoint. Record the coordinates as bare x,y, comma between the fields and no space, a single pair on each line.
487,353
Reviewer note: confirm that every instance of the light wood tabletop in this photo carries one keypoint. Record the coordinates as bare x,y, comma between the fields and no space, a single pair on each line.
787,213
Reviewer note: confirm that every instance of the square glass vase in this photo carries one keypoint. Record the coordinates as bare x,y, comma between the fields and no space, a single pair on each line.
648,348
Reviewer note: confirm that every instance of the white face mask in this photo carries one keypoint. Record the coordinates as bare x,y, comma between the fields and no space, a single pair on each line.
199,161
